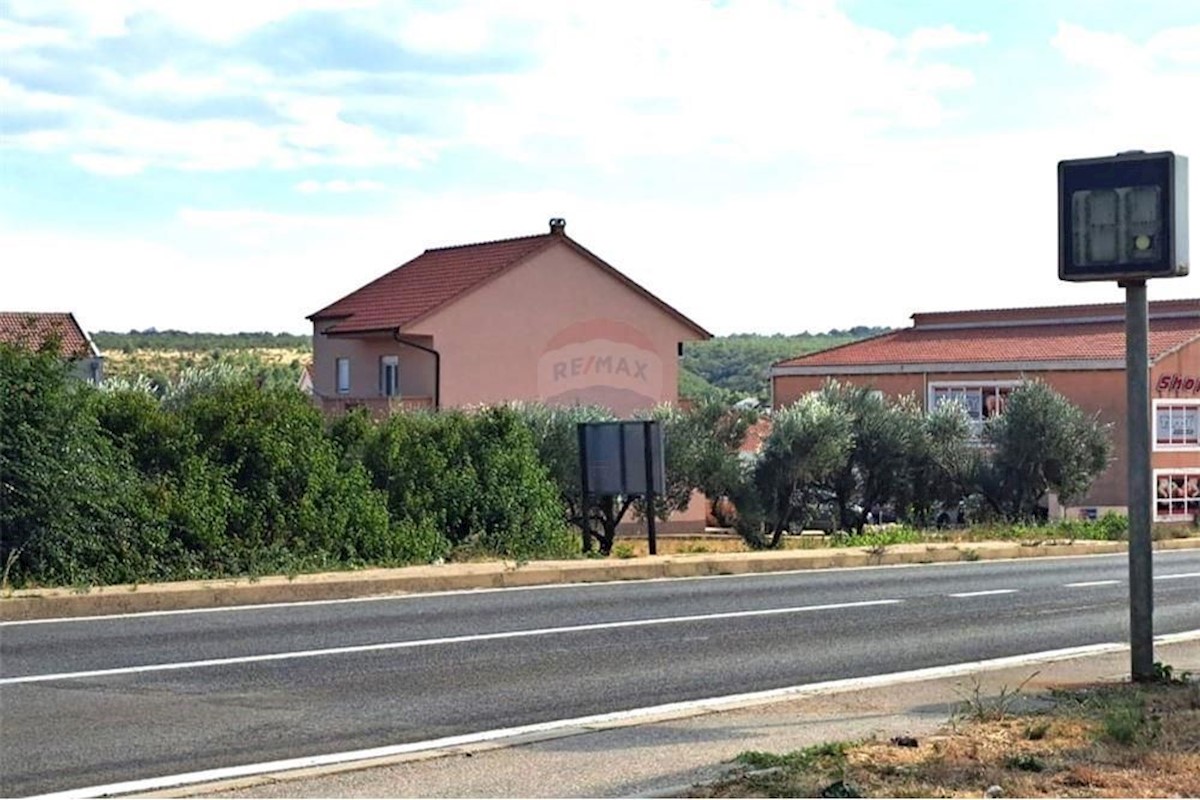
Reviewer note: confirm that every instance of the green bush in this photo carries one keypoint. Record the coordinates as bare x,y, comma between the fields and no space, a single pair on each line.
72,507
293,497
468,481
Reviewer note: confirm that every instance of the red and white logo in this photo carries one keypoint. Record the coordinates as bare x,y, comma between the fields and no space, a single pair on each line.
601,362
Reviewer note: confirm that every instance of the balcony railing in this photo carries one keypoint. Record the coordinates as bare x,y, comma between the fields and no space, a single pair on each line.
376,406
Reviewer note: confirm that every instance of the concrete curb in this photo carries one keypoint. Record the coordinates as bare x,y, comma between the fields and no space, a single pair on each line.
35,604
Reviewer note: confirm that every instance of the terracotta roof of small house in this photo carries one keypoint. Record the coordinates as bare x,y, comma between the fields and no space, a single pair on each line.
437,277
33,328
1060,334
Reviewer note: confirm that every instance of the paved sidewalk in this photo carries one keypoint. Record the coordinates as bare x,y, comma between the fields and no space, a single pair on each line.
663,758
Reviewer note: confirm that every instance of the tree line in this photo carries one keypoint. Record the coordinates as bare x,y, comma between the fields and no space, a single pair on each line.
218,475
738,366
154,339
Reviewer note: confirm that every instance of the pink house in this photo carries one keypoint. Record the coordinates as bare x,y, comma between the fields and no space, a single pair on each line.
532,318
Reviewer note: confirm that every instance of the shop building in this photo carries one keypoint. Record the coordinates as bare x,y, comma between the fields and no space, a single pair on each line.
978,357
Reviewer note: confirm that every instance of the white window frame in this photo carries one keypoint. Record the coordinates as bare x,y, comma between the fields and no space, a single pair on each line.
392,388
1180,509
1188,403
343,386
976,424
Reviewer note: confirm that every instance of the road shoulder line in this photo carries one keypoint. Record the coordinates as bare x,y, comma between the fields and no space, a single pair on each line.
271,772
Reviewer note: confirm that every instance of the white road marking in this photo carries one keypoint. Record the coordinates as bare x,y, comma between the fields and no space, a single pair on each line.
983,594
599,721
474,637
1177,577
1084,584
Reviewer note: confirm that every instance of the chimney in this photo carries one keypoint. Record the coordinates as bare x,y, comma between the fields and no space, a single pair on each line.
558,226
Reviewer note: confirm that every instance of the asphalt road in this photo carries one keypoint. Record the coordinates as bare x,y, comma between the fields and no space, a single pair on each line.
104,700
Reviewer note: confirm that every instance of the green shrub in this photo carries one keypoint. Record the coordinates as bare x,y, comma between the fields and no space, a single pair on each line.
1126,722
623,550
475,479
72,507
292,496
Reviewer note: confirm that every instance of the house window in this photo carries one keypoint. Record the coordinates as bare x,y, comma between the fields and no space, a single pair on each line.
982,400
1176,424
389,376
1176,495
343,376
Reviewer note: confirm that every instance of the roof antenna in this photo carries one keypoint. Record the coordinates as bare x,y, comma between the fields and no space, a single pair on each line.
558,226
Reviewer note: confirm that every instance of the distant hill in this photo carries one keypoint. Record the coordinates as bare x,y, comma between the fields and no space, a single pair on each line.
152,339
739,363
727,367
276,359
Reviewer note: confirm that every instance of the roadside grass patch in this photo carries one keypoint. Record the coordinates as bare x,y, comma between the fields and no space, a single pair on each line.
1094,740
623,550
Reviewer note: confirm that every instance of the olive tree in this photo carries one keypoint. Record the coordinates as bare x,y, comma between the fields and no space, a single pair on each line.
942,464
555,436
700,454
809,442
701,451
879,469
1041,443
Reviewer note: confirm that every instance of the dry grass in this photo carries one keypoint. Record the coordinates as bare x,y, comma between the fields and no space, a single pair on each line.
1111,740
148,358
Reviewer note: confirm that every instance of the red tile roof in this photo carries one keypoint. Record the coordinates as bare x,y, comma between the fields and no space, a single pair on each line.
438,276
427,282
32,329
1094,311
992,337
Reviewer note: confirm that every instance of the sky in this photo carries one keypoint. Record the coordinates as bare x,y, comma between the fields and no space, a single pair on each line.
762,166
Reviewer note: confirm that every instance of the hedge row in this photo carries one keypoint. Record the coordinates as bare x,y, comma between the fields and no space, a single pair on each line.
220,477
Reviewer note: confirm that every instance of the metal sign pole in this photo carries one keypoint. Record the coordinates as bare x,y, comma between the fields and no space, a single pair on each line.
651,533
1137,398
581,432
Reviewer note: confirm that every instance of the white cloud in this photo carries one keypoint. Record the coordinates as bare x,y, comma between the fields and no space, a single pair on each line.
18,36
941,38
108,164
221,21
1111,53
1137,92
463,30
755,79
880,227
14,98
169,81
749,81
339,186
1179,45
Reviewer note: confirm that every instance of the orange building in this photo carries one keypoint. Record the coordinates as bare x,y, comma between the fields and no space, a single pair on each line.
978,357
536,318
533,318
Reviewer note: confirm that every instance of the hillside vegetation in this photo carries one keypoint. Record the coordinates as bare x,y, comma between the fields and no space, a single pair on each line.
273,359
724,368
740,363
